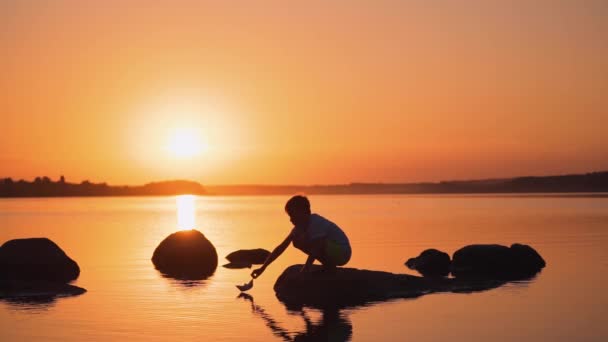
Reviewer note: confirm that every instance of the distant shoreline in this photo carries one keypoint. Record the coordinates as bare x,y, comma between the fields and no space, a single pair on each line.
594,182
463,195
45,187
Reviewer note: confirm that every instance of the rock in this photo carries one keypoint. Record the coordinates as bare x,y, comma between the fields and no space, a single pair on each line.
497,261
32,291
351,287
237,265
527,258
36,260
186,255
431,263
36,270
246,257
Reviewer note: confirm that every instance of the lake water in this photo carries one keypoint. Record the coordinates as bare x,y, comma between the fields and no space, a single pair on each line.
112,239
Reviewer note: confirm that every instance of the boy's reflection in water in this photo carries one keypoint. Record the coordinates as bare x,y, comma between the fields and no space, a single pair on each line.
332,327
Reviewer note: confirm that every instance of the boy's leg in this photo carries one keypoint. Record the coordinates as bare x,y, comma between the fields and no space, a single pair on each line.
319,250
337,253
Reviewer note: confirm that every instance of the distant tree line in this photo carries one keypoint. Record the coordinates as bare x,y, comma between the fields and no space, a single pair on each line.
590,182
45,187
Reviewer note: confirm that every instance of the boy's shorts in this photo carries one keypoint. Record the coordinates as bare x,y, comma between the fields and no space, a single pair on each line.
336,253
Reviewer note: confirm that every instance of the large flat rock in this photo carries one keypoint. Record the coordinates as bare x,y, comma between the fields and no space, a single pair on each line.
352,287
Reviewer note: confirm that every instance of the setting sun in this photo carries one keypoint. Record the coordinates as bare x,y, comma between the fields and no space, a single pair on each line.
185,143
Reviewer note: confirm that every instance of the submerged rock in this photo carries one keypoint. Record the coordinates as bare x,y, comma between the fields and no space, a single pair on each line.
34,260
31,291
497,261
245,258
350,287
186,254
431,263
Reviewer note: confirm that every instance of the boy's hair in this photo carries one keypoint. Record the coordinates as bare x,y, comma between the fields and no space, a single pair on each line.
298,202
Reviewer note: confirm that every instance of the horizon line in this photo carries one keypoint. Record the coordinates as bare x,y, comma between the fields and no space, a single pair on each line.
325,184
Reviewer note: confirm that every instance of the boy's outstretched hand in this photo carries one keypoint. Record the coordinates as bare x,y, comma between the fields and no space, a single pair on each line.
257,272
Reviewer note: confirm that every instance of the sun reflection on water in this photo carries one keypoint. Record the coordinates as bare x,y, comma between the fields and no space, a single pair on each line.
186,208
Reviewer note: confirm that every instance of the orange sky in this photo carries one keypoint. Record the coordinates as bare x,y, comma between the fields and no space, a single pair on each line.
315,92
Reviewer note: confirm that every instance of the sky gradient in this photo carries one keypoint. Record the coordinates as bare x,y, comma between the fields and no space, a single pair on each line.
312,92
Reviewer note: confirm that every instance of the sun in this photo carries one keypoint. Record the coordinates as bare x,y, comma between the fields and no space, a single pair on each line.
185,143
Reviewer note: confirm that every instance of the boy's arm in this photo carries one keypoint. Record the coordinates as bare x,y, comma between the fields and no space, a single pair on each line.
275,254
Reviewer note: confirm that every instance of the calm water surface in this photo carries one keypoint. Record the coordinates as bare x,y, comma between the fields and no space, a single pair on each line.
112,239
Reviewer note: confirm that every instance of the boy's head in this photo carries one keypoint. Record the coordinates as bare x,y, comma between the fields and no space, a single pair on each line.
298,209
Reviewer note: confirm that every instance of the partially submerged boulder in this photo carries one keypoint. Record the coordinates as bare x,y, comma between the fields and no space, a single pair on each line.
36,269
245,258
497,261
36,259
527,258
186,254
431,263
350,287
